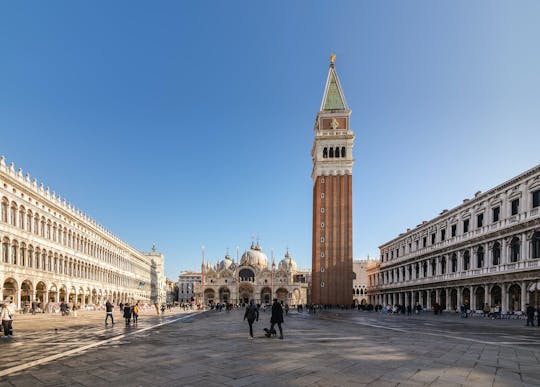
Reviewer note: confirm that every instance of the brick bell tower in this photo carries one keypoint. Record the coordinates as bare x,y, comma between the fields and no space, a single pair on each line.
332,263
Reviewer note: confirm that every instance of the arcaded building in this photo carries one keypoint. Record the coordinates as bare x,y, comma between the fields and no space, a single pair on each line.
253,278
484,251
53,252
332,244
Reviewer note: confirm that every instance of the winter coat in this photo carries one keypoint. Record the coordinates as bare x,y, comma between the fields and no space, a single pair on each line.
252,313
277,313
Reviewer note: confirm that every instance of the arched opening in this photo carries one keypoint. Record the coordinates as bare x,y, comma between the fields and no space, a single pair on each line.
331,155
62,294
343,153
496,296
72,295
336,152
266,295
514,298
94,297
466,260
535,245
496,253
245,292
479,299
41,291
209,296
224,295
453,299
282,294
480,258
514,249
466,298
325,153
247,275
27,292
443,265
9,290
296,297
454,262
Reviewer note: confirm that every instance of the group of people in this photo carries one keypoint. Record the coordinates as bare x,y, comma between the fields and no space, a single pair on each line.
128,312
252,315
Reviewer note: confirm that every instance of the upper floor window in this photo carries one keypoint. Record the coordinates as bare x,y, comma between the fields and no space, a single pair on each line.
496,213
343,153
443,234
453,230
424,242
536,198
479,220
466,226
514,206
325,153
535,245
433,236
514,249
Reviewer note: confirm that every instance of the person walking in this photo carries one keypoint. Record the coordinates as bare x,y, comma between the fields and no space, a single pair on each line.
252,314
136,313
7,321
530,315
108,309
127,313
277,317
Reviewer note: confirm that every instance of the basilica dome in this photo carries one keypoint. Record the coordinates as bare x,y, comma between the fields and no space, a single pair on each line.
225,263
287,263
254,257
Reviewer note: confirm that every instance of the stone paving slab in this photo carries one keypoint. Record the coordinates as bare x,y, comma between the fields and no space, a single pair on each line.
324,350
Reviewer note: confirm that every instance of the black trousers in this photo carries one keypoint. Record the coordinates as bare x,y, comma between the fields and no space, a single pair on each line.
250,322
279,326
6,327
107,317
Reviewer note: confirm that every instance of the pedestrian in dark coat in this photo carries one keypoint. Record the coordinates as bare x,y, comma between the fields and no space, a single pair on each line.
127,313
530,315
277,317
252,314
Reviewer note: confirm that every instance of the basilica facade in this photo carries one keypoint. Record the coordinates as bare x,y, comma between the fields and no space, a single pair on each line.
253,278
52,252
484,253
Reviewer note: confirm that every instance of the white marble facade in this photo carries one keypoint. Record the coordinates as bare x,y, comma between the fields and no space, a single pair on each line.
53,252
484,253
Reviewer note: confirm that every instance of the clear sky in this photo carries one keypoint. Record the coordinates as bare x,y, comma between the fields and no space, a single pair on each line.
191,123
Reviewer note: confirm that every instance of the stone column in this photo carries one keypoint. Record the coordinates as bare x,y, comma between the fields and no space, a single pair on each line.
428,300
504,297
504,252
448,299
524,247
487,295
459,296
524,294
473,298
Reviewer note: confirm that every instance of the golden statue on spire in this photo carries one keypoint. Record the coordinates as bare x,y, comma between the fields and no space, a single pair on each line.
332,58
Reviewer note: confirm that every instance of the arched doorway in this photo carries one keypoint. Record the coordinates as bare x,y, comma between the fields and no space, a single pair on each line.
94,297
246,275
514,298
479,298
224,295
443,299
53,293
433,297
296,297
453,299
466,298
9,291
72,295
245,292
27,293
496,296
266,295
62,294
41,290
209,296
282,295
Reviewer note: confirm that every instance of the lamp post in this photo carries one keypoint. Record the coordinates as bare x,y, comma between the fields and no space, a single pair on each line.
202,280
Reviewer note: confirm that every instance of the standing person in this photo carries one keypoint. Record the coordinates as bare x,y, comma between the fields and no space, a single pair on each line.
108,309
530,315
252,314
127,313
7,321
286,309
277,317
135,312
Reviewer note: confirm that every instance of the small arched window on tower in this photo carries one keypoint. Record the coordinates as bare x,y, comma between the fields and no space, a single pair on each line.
336,152
325,153
343,153
331,153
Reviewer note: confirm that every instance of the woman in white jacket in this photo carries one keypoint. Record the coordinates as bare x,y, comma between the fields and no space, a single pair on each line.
7,320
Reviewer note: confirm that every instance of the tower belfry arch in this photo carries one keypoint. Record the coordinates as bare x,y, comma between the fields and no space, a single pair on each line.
332,269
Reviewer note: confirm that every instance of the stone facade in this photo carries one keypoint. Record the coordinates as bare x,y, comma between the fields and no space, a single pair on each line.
484,251
253,278
360,279
332,263
52,252
186,285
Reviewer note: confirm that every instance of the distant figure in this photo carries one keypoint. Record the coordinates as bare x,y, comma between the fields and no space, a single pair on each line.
162,308
136,313
127,313
277,318
108,312
530,315
286,309
252,314
7,321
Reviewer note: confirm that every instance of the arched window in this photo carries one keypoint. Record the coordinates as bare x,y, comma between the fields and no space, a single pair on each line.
331,153
336,152
22,213
343,154
433,267
13,214
496,253
480,257
454,263
5,205
514,249
466,260
535,245
443,265
425,269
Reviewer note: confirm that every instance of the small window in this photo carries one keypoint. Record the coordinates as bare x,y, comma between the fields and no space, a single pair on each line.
443,234
479,220
466,226
343,153
322,195
433,236
322,224
325,153
515,206
322,210
454,230
322,254
322,239
322,284
424,242
496,213
331,154
536,198
322,269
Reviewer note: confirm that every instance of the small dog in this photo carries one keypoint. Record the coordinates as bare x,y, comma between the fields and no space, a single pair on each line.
269,332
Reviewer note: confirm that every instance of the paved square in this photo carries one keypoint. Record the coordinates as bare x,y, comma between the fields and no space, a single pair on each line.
330,349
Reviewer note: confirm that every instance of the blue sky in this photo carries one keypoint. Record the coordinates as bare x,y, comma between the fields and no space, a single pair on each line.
190,123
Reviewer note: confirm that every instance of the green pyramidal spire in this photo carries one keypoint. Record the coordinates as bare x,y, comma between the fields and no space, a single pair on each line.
333,99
